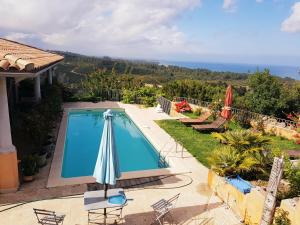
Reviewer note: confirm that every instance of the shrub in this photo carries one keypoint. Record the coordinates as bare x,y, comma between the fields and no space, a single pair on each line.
216,108
225,160
281,217
129,96
143,95
245,153
243,119
29,165
33,122
243,140
293,176
197,111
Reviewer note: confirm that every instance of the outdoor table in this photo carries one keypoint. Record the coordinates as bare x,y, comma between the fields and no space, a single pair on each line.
94,200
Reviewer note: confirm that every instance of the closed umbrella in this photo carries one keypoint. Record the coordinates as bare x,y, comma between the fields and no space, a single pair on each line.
107,168
226,113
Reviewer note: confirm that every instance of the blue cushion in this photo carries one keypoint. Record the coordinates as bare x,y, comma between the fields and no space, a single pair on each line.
240,184
117,199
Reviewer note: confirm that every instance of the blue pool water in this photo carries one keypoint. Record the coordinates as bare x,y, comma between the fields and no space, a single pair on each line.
83,137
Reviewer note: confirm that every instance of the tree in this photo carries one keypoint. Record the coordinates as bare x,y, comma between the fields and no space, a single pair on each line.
264,94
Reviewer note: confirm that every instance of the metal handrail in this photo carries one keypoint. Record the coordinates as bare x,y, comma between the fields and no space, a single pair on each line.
165,104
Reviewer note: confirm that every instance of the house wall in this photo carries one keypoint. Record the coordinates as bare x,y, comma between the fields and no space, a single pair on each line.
9,177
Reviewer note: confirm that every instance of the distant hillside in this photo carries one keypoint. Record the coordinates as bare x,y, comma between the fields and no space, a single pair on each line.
76,66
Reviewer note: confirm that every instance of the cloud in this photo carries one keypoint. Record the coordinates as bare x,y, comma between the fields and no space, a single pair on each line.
18,36
292,23
131,28
229,5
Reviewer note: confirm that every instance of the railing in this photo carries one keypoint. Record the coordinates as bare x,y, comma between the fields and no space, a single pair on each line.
279,122
284,123
192,101
162,163
165,104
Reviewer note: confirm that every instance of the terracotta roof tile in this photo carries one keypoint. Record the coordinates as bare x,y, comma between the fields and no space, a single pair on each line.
15,56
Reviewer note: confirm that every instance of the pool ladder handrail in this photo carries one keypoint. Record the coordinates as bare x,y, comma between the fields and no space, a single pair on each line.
162,162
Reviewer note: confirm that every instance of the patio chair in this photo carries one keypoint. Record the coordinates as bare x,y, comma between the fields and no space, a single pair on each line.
164,207
46,217
214,126
188,121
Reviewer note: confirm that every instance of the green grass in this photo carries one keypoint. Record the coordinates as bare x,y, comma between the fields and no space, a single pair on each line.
283,143
191,115
201,145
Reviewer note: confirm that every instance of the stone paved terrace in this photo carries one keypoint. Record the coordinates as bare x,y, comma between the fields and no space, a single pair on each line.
196,204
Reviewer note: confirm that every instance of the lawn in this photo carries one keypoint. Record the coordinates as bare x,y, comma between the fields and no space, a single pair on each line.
201,145
191,115
283,144
198,144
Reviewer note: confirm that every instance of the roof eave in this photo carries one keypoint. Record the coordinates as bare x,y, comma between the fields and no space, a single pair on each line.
28,74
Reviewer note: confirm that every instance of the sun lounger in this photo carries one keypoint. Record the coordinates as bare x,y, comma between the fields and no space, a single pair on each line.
163,207
203,117
46,217
214,126
94,200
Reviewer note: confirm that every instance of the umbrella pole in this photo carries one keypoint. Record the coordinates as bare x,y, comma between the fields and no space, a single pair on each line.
105,197
105,190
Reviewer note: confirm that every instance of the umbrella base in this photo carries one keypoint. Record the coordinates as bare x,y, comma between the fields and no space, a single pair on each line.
113,216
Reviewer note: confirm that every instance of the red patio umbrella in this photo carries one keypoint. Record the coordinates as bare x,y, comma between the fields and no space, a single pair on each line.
226,113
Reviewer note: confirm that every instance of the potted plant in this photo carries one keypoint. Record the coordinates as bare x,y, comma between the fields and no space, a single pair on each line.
42,158
29,168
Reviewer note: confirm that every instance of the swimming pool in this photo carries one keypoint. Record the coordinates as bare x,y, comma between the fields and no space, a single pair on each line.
84,130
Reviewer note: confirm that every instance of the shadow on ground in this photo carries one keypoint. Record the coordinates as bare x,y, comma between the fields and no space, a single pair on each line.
190,215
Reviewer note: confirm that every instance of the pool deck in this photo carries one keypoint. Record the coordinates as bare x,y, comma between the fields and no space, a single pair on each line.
196,205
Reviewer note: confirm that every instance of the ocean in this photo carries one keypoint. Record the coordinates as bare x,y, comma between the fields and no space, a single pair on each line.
281,71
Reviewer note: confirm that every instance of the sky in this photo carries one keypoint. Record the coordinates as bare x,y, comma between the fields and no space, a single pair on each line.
235,31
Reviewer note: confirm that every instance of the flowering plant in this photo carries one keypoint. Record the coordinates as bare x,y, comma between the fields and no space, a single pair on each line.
183,107
294,117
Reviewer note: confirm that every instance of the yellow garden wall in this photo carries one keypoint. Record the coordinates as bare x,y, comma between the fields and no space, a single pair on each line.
9,178
292,206
249,206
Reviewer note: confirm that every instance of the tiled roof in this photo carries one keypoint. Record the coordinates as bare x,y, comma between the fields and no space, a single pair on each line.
17,57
